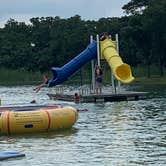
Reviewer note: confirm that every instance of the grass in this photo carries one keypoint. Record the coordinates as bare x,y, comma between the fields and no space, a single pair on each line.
22,77
140,74
155,80
19,77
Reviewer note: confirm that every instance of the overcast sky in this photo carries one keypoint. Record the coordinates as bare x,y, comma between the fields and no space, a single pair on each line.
23,10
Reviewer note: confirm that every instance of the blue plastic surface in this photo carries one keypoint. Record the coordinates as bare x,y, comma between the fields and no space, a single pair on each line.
7,155
62,74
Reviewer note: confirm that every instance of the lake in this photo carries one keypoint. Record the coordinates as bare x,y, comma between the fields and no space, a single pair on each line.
129,133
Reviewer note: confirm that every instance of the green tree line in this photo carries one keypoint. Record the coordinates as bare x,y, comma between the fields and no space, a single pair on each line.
53,41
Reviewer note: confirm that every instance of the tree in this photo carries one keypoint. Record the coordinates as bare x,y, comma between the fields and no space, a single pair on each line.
136,6
154,22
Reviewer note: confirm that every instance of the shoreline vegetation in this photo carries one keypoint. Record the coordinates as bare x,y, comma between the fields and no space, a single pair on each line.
10,77
21,77
54,41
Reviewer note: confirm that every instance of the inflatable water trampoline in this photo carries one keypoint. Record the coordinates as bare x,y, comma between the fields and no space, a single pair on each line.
41,120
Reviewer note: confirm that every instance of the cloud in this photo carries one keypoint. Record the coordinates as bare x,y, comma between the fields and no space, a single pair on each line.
87,9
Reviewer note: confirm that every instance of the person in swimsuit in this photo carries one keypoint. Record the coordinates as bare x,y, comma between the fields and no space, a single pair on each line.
99,80
44,84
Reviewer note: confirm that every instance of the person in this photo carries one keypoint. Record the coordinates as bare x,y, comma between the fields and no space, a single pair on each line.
44,84
76,98
104,36
99,79
83,110
33,102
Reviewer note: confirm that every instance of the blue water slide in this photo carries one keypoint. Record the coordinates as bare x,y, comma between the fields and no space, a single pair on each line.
63,73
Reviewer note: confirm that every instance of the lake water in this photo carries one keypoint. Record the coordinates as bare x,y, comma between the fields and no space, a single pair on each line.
110,134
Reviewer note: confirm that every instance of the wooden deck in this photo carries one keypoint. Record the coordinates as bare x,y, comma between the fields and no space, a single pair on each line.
105,97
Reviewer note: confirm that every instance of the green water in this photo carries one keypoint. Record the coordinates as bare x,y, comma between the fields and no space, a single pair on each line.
110,134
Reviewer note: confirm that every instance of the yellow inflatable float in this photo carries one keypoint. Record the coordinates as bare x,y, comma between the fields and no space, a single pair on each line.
42,120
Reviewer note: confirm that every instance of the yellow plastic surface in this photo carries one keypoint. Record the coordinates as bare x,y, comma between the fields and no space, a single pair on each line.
37,121
122,71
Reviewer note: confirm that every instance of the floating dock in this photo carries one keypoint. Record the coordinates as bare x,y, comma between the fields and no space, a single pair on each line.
104,97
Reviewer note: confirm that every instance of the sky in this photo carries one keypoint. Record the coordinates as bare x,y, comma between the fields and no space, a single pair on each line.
23,10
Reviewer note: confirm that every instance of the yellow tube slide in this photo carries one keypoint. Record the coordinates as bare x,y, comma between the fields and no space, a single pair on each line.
122,71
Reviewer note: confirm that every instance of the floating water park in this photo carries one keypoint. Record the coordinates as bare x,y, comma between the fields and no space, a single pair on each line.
96,51
83,83
36,119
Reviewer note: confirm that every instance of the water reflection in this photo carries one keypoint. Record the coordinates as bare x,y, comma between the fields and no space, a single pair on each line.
45,135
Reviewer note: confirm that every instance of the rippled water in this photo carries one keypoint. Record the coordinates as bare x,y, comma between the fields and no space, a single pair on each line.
110,134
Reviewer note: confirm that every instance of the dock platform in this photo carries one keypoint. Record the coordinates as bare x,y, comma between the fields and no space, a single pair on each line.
104,97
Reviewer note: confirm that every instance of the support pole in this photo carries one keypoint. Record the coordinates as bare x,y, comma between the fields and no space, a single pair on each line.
117,48
112,77
113,82
92,69
98,50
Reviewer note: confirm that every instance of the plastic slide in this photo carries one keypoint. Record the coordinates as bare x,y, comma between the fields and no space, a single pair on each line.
122,71
62,74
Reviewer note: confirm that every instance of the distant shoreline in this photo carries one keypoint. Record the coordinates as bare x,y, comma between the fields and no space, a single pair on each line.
18,77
